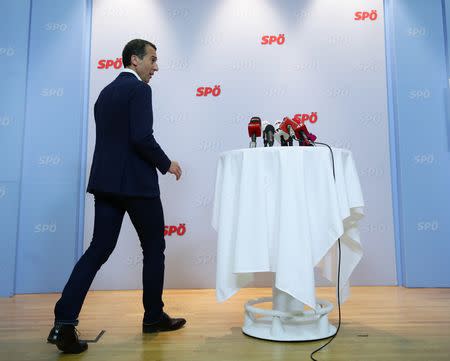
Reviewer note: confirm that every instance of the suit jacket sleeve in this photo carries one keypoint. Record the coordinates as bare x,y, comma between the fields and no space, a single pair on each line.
141,128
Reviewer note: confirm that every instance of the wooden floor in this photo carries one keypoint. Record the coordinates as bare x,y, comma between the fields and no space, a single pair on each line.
379,323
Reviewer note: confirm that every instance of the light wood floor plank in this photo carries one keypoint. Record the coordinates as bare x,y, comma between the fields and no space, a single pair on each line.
379,323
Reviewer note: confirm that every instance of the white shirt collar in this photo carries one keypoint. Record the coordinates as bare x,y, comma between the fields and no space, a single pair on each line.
128,70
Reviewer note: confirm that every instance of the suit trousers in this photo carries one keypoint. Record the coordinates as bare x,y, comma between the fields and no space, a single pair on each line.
147,217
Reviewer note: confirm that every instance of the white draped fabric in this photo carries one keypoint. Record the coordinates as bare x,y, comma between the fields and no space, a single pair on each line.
280,210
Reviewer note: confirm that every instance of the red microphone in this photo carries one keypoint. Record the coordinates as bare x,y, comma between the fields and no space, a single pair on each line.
288,130
254,130
303,136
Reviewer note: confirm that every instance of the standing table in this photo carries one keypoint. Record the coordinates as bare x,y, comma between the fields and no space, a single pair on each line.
279,210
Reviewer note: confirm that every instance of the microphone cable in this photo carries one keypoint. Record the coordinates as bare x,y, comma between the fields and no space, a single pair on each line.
338,273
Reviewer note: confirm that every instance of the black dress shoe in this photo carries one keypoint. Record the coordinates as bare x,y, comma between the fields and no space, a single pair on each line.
166,323
65,337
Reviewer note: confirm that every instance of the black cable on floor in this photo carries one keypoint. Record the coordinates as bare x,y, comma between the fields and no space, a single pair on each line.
338,275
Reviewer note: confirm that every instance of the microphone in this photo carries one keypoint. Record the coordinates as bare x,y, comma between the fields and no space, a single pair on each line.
306,138
288,130
268,134
303,136
254,130
277,134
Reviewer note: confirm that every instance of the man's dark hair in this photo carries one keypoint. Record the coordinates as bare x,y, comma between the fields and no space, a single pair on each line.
135,47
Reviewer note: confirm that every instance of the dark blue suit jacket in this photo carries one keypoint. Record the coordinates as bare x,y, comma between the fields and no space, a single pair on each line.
126,153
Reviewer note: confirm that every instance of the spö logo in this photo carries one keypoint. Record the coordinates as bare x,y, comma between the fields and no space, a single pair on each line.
109,63
273,39
49,160
302,118
55,27
52,92
366,15
7,51
45,228
204,91
179,230
430,226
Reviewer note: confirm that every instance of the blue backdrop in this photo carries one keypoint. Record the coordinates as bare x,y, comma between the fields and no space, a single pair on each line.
44,60
43,93
417,42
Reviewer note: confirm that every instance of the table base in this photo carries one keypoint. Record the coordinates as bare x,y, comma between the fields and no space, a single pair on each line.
288,320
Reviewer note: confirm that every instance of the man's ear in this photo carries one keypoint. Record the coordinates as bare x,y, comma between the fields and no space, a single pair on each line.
134,60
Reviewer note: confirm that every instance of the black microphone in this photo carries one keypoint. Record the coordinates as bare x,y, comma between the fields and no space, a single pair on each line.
268,134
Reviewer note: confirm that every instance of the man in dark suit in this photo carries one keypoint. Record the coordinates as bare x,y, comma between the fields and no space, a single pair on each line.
123,179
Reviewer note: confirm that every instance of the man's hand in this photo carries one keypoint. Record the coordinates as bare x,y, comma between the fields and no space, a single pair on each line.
175,169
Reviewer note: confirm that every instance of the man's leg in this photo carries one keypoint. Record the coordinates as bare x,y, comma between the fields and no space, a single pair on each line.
107,223
147,216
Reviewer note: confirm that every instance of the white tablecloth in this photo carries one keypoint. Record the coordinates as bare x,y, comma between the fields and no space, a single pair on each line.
279,210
